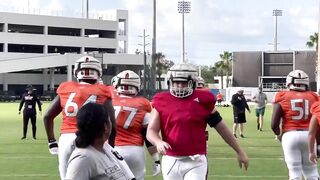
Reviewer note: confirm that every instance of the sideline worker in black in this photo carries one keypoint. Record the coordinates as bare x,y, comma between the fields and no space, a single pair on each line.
240,105
29,100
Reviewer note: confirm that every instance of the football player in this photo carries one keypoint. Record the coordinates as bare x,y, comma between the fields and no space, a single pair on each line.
132,117
200,83
182,115
71,97
293,107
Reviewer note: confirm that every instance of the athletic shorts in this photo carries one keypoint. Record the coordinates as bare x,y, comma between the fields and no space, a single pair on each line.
260,111
240,118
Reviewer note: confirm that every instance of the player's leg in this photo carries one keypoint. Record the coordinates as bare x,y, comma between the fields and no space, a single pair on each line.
241,129
135,158
196,169
258,120
34,125
66,146
292,154
170,168
261,117
309,170
25,124
234,129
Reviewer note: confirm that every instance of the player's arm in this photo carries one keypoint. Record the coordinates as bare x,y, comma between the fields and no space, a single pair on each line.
153,133
276,119
53,111
156,167
21,103
313,130
39,103
215,121
109,107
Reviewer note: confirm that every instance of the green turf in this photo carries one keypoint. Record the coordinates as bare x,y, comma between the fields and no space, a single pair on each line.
30,159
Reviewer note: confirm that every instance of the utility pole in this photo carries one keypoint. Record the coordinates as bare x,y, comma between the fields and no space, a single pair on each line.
87,9
144,62
154,49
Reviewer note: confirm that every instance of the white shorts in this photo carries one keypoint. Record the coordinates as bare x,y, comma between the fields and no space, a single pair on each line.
66,146
184,167
296,153
135,157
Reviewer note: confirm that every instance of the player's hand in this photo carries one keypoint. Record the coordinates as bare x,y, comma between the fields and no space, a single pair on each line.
313,158
156,168
162,147
243,160
279,137
53,147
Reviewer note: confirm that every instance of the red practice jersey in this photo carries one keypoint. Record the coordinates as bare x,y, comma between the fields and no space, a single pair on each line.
73,96
296,108
183,121
130,115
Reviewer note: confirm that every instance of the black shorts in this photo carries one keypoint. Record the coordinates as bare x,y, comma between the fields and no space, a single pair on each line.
240,118
219,101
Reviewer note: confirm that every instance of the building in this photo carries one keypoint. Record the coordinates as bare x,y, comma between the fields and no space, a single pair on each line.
270,68
40,49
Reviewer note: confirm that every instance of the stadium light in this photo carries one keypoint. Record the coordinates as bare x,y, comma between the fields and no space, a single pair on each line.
276,13
183,7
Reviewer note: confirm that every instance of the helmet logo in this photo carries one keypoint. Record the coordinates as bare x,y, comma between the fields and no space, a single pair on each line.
86,60
126,76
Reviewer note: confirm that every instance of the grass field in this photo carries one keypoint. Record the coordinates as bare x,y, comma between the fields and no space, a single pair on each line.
29,159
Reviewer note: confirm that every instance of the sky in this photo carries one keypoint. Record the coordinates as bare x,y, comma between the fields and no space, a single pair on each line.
212,26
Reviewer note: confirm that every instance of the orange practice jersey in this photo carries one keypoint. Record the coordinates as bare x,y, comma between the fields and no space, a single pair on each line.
73,96
315,110
296,108
130,115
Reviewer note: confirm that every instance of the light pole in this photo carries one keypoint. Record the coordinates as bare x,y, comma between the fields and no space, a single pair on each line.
183,7
144,61
276,13
152,86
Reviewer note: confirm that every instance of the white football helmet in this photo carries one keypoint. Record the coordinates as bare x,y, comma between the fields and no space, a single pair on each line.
297,80
200,82
182,72
127,82
87,68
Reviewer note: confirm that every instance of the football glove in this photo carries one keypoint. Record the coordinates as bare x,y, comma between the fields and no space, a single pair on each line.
53,147
156,168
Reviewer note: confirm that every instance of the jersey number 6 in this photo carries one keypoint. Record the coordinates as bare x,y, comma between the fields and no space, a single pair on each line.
71,108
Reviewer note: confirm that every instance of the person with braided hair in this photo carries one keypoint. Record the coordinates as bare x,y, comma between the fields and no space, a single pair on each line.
93,157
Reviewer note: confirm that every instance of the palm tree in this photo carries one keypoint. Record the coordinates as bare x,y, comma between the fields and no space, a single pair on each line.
226,58
161,66
313,41
219,68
